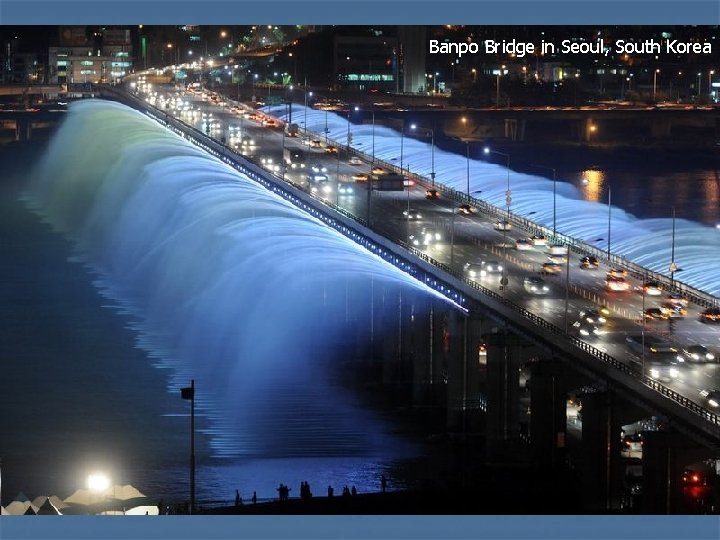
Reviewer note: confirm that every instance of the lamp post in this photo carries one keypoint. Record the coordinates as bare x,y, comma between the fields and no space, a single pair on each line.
655,82
710,74
467,150
189,393
432,157
373,136
349,136
497,87
306,104
254,79
673,265
508,193
698,84
554,171
609,219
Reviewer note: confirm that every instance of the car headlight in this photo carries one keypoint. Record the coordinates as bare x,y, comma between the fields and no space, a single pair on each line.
674,373
545,288
584,332
483,273
472,273
713,403
596,331
679,358
710,356
418,216
654,373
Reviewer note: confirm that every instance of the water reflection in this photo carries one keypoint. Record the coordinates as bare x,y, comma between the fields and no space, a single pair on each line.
593,182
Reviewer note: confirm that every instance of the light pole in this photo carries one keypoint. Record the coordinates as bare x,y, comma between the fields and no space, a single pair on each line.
673,265
710,74
609,219
254,79
189,393
698,84
467,150
655,82
306,104
554,171
497,86
373,136
432,156
508,193
349,136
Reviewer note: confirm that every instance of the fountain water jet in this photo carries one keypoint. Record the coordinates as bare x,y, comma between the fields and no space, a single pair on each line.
227,283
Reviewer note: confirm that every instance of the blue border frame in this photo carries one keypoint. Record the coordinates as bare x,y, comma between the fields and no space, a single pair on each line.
406,12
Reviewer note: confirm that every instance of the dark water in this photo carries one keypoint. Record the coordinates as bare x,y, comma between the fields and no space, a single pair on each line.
79,395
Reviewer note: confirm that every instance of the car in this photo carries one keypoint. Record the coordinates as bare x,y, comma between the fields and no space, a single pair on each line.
652,288
354,160
432,194
318,168
616,283
586,329
538,240
345,189
673,310
247,141
483,268
360,177
328,149
535,285
675,298
712,398
465,209
503,225
318,177
322,188
269,122
557,249
558,259
592,316
711,315
552,268
617,272
589,263
377,170
632,445
412,213
315,143
697,353
655,314
523,244
426,238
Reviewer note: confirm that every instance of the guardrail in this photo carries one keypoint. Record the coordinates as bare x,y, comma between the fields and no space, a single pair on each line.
270,180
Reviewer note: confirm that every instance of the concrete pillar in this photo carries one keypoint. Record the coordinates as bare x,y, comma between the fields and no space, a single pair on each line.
548,414
504,354
665,457
455,361
601,452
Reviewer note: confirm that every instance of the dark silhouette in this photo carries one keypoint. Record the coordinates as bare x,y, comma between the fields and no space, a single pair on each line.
238,498
346,492
383,483
331,491
254,498
283,492
353,491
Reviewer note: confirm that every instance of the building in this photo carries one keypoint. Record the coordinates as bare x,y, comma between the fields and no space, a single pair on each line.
101,56
365,62
413,45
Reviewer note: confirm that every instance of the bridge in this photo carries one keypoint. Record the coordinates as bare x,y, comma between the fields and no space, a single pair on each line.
467,359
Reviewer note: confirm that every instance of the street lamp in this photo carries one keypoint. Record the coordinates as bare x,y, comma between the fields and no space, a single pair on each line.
497,86
698,84
710,74
349,136
673,265
655,82
554,171
508,193
467,149
306,104
254,79
609,220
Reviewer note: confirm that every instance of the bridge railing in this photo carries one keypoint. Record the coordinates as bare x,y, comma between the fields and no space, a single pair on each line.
270,180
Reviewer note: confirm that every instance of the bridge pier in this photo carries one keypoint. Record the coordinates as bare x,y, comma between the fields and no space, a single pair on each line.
504,356
548,414
665,455
22,130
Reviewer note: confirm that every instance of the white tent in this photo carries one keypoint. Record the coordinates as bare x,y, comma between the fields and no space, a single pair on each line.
19,508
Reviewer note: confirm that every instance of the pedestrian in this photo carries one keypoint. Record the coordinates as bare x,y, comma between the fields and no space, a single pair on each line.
238,498
331,491
254,498
346,491
383,483
353,491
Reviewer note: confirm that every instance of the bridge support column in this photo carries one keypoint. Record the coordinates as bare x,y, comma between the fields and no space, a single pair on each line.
22,130
504,354
665,456
548,414
601,452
